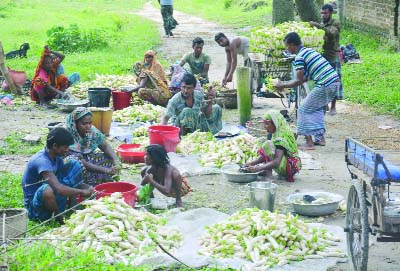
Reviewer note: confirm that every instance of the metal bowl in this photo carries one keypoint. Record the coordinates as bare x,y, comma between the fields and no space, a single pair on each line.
70,106
232,174
310,209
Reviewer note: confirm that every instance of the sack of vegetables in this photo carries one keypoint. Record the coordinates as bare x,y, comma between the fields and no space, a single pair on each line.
269,40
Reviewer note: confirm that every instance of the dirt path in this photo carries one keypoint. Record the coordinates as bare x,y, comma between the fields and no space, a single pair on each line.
213,190
190,27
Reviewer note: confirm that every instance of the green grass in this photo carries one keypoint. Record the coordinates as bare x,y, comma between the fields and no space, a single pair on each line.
13,144
128,35
375,81
11,190
235,15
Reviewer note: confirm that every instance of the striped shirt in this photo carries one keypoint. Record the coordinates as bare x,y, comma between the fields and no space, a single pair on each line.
315,67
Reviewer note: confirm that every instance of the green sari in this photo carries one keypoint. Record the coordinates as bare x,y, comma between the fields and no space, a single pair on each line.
282,138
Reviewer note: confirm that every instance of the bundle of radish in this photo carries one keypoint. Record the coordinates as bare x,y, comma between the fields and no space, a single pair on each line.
114,231
267,239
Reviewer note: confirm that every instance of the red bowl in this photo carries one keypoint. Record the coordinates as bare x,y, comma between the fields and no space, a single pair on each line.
130,154
128,191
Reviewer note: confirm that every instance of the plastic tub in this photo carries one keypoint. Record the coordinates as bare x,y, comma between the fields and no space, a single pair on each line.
164,135
128,153
127,190
101,118
99,97
121,99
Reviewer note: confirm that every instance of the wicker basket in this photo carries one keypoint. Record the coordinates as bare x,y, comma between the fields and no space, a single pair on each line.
256,128
229,99
16,221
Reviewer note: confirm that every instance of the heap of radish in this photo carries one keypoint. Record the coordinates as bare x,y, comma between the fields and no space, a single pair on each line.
115,231
267,239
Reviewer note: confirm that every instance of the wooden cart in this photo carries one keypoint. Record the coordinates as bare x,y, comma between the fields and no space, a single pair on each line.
373,204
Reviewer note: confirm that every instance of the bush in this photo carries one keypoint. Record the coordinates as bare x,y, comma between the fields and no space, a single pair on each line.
72,39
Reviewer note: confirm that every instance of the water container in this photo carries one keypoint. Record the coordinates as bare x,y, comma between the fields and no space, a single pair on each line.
99,97
128,191
101,118
121,99
262,195
164,135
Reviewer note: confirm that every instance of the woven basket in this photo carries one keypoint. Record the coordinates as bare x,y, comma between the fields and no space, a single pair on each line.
256,128
16,222
229,99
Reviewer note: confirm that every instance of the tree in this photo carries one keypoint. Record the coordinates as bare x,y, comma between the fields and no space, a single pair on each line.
308,10
282,11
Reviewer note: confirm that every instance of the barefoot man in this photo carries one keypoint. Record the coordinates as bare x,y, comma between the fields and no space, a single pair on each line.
233,47
309,64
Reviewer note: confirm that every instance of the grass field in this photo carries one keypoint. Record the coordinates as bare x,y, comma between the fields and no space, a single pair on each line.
227,11
128,35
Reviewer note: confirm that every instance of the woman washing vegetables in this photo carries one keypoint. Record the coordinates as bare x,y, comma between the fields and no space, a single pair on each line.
280,153
160,174
99,167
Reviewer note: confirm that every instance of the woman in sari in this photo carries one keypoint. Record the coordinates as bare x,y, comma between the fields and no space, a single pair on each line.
280,153
99,167
153,83
46,84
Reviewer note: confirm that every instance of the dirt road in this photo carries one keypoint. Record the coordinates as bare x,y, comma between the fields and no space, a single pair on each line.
214,191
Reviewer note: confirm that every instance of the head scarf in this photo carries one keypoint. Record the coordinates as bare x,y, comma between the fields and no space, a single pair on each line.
90,141
155,67
60,82
283,135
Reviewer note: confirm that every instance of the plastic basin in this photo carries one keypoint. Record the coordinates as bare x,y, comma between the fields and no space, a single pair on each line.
164,135
130,154
121,99
315,209
127,190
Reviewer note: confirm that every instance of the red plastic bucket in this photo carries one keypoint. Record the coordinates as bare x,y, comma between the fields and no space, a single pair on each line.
127,190
121,99
164,135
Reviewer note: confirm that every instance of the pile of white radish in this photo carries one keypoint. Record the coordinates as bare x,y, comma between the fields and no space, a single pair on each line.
239,149
139,113
267,239
114,231
108,81
236,150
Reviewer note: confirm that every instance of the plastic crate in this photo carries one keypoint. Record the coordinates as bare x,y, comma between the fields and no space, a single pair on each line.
278,68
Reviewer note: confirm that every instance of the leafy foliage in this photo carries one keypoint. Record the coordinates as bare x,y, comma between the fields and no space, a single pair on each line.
73,39
11,190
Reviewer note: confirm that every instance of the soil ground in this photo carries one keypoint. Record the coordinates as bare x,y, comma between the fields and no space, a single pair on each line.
213,190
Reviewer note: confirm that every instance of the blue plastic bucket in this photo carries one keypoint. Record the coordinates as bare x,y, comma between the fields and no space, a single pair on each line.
99,97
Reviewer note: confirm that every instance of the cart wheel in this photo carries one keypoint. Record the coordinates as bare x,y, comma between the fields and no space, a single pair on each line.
357,227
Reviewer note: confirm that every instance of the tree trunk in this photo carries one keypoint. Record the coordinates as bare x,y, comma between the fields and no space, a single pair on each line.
308,10
282,11
6,75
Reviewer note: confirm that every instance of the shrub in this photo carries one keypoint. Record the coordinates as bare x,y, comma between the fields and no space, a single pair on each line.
72,39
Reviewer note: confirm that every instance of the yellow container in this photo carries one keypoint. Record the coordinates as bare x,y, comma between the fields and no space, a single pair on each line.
101,118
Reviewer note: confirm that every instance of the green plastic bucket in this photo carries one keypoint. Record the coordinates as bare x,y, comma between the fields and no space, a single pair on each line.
99,97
